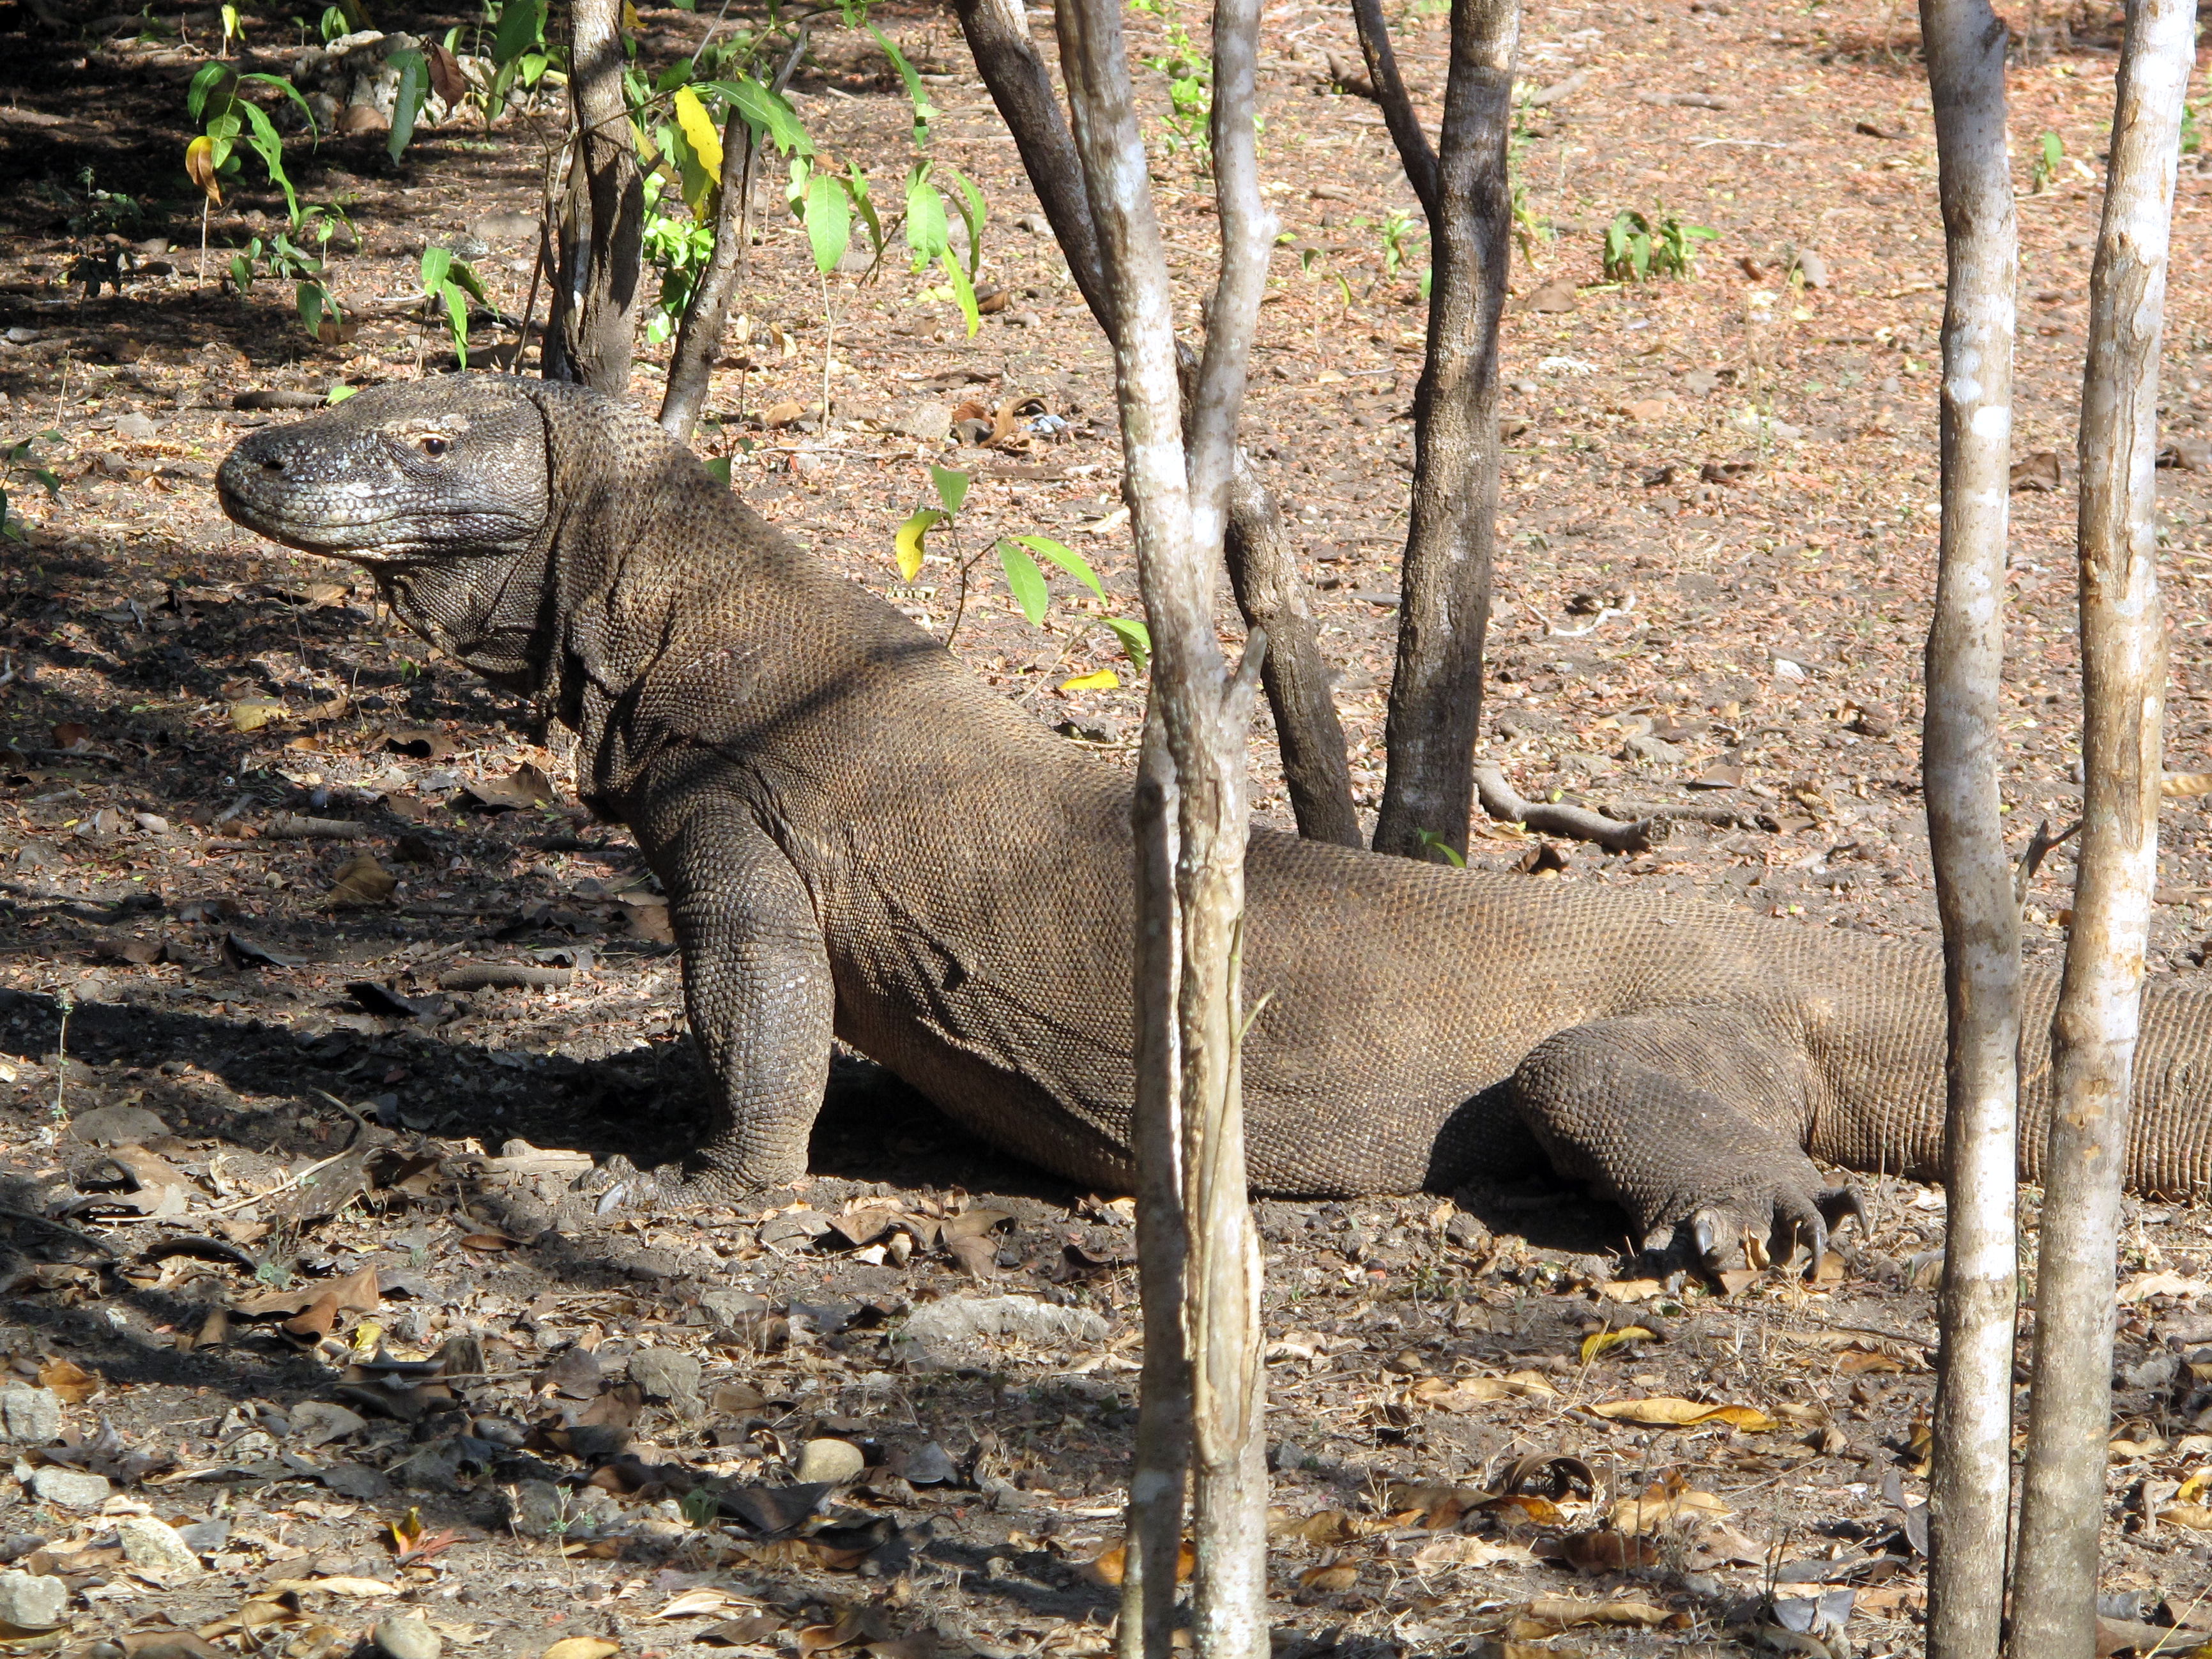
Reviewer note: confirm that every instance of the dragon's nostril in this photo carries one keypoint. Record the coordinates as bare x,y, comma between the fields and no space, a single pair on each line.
272,463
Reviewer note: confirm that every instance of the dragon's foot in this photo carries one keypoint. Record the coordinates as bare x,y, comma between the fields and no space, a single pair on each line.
1757,1223
621,1184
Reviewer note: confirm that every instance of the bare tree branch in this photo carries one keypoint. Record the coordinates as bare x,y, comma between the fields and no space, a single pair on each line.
1414,154
1970,1494
2124,690
1503,803
1263,565
699,337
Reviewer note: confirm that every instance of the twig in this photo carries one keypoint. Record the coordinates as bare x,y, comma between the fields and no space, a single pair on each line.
360,1128
31,1216
1546,817
2031,856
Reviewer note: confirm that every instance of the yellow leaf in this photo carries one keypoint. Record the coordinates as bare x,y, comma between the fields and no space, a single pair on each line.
1598,1342
366,1336
199,165
2196,1516
585,1647
699,128
2195,1487
1104,679
1663,1411
252,713
629,21
908,540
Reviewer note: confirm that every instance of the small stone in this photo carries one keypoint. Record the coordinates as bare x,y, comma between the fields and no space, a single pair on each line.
782,414
1024,320
950,1331
1811,266
1658,750
1644,411
154,1547
70,1489
666,1374
930,422
538,1508
136,427
732,1308
504,227
117,1126
30,1416
829,1462
1786,670
402,1636
1555,295
1036,223
320,1422
31,1601
930,1466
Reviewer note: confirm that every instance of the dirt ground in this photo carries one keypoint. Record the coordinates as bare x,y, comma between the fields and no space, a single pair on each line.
327,1338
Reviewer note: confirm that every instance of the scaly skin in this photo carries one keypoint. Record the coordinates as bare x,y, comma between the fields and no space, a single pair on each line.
856,836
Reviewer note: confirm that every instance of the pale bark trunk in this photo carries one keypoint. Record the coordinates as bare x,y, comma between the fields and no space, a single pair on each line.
1189,820
2123,687
1262,565
1970,1495
1436,688
595,300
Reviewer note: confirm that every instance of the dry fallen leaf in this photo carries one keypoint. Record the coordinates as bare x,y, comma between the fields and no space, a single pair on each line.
1330,1577
1458,1550
582,1647
1664,1411
1598,1342
361,880
1548,1614
73,1384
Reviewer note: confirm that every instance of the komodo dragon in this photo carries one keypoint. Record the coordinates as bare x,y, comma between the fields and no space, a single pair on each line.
858,838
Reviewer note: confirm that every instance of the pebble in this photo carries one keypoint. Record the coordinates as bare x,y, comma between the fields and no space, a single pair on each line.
70,1489
135,425
938,1333
403,1636
666,1373
1658,750
154,1547
31,1600
829,1462
322,1422
930,422
30,1416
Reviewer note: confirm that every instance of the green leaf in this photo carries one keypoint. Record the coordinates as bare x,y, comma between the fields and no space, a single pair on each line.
907,540
290,91
975,212
241,272
963,291
1136,639
926,232
1067,558
766,111
829,220
1025,582
414,86
915,94
719,466
339,393
436,262
210,76
856,186
270,148
952,486
461,271
522,25
457,315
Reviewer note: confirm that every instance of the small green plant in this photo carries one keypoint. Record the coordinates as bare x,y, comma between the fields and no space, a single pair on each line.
1636,250
298,254
1025,580
1438,849
21,459
2050,151
450,282
1396,227
677,246
1189,75
520,55
2192,141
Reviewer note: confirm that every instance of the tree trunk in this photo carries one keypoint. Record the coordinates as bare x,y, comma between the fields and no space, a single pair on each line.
595,306
2123,689
699,337
1263,565
1970,1495
1179,454
1436,688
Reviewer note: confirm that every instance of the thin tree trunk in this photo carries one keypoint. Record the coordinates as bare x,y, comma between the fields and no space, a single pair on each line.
1436,688
2123,689
1970,1495
1179,454
1262,565
597,314
699,337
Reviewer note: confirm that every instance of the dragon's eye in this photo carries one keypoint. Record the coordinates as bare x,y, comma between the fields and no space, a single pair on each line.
434,446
